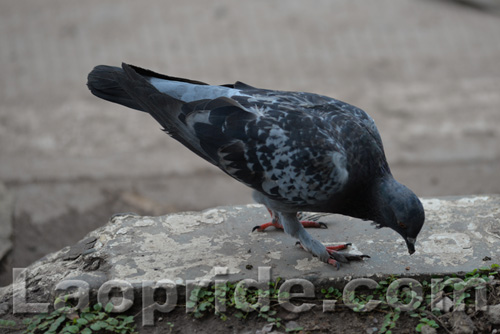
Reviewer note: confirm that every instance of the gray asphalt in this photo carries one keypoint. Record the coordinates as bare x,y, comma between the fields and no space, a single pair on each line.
427,71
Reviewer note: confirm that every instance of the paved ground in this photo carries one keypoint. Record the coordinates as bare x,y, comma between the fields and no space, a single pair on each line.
427,71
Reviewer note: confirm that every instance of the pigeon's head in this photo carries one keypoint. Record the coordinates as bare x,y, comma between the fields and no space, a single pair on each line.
400,210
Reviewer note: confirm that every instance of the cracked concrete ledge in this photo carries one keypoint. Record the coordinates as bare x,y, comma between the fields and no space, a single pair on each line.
460,234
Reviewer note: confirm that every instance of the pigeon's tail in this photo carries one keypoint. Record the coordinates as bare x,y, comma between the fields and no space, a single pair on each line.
103,83
172,101
131,86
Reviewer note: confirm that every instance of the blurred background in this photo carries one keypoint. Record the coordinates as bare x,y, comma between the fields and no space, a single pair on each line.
427,71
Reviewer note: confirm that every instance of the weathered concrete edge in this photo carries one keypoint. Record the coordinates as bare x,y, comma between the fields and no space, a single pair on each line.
78,255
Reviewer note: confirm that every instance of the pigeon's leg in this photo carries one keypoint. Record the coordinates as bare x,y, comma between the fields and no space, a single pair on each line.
276,223
328,254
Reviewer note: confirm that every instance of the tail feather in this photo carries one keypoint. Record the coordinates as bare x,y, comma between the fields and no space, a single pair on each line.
162,107
162,97
103,83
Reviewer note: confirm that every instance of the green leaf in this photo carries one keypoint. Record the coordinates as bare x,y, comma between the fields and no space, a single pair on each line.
393,300
112,321
98,307
203,306
264,308
86,331
95,326
55,325
72,329
109,307
44,325
128,320
7,323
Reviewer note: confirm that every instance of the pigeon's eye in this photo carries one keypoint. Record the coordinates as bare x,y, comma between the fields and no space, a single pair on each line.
402,224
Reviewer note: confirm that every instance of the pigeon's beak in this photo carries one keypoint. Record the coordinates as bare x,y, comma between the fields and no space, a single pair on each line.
410,243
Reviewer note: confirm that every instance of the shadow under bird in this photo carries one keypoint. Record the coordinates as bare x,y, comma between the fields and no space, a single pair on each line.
298,151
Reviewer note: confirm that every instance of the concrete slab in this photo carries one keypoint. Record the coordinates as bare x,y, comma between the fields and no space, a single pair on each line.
460,234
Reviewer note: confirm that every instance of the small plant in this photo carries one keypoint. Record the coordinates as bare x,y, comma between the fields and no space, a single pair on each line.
426,322
389,323
203,300
7,324
88,321
331,293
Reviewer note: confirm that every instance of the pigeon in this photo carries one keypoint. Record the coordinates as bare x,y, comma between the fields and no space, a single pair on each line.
298,151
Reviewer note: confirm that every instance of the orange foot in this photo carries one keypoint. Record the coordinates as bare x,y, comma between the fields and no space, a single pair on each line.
275,222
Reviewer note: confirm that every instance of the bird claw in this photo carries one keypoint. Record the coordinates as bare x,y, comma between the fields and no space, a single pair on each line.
277,224
336,258
313,224
262,227
333,263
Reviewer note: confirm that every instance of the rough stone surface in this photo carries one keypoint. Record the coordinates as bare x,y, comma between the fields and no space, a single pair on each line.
461,323
218,244
493,313
6,214
428,330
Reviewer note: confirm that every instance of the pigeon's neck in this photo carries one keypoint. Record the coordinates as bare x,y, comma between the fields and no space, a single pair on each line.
389,196
361,201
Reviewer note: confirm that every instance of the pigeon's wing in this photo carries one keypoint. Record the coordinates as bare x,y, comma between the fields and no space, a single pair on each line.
289,156
358,116
330,109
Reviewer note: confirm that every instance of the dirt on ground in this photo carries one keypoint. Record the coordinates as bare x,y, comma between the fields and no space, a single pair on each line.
322,316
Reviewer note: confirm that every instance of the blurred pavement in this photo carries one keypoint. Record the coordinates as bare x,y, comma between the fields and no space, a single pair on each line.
427,71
